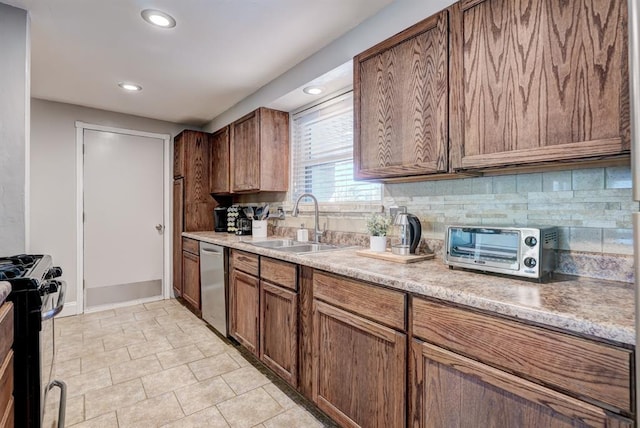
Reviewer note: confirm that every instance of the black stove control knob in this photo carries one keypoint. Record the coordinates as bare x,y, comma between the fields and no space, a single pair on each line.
49,287
530,262
54,272
530,241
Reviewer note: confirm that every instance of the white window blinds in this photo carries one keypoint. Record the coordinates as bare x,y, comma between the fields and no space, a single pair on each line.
322,154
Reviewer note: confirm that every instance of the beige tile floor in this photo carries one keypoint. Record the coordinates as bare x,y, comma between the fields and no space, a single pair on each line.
157,364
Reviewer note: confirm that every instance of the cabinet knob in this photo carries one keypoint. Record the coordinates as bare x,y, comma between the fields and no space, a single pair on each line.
159,227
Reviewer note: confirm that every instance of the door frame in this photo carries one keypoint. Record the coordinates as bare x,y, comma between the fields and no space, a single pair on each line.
166,238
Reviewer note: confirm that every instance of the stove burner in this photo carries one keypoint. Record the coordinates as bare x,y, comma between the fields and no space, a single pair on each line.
9,271
16,266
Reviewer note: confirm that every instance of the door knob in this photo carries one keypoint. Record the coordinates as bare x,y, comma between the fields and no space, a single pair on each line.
159,227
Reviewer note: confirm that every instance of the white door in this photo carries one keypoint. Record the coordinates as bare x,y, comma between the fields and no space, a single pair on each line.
123,218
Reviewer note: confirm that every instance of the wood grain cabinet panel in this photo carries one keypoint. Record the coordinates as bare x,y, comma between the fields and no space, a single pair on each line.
278,330
6,365
246,262
220,167
400,103
178,227
260,152
191,279
244,303
542,80
376,303
178,156
584,367
449,390
359,369
284,274
192,203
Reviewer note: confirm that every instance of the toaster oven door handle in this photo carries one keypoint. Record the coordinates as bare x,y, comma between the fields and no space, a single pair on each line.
481,230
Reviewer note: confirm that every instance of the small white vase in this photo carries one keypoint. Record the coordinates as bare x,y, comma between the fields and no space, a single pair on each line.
378,243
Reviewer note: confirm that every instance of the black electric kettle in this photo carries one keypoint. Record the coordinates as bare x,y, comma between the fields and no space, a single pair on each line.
410,233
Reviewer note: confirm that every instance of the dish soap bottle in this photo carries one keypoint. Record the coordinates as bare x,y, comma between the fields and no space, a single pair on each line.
303,234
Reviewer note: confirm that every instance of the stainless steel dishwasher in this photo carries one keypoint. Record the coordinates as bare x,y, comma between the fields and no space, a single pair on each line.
212,279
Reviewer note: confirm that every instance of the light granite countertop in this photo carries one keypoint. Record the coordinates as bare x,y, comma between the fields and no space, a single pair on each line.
5,289
598,308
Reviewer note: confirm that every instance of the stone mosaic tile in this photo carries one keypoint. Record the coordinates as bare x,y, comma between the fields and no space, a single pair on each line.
587,179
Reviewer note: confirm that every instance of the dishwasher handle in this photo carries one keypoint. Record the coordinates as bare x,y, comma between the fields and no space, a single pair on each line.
210,252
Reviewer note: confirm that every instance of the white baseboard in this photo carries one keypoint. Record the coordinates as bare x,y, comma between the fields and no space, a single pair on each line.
70,308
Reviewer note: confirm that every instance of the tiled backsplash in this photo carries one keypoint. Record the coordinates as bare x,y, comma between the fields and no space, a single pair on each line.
591,207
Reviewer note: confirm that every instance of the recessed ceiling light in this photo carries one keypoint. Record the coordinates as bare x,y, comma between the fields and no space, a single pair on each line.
158,18
132,87
313,90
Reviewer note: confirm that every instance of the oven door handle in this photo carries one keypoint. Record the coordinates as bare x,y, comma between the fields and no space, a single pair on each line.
60,304
63,399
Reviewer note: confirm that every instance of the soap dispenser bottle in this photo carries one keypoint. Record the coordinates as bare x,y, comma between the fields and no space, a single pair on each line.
303,234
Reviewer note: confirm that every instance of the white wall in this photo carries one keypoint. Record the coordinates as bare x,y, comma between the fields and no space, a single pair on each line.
391,20
14,135
53,176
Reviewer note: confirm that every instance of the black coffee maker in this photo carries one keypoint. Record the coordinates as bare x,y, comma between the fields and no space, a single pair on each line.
220,219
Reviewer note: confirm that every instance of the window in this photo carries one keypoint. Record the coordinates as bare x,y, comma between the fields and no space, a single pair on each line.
322,154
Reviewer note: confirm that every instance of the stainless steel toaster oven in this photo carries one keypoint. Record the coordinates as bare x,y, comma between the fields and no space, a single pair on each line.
522,251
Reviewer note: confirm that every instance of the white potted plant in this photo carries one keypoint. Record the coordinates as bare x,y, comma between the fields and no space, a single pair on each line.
377,225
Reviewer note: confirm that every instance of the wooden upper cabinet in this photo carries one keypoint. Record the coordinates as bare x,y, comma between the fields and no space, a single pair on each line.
220,162
260,152
191,150
400,103
540,81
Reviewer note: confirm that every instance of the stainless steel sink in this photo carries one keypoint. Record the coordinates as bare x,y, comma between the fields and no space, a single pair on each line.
275,243
296,247
309,248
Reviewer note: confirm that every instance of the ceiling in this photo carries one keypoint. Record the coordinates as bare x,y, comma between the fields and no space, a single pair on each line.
220,51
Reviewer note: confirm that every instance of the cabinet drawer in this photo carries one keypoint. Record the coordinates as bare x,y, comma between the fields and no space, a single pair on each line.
6,382
245,262
586,368
191,245
278,272
6,329
379,304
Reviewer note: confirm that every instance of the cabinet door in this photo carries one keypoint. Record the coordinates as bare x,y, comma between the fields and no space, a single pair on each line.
279,331
199,204
544,82
400,103
448,390
178,227
245,153
358,369
191,279
244,295
220,162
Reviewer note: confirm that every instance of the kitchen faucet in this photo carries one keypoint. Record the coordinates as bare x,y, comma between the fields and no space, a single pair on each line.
317,234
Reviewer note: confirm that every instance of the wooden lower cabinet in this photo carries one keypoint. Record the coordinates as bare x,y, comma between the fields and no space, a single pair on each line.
244,303
6,365
359,369
448,390
279,331
191,279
